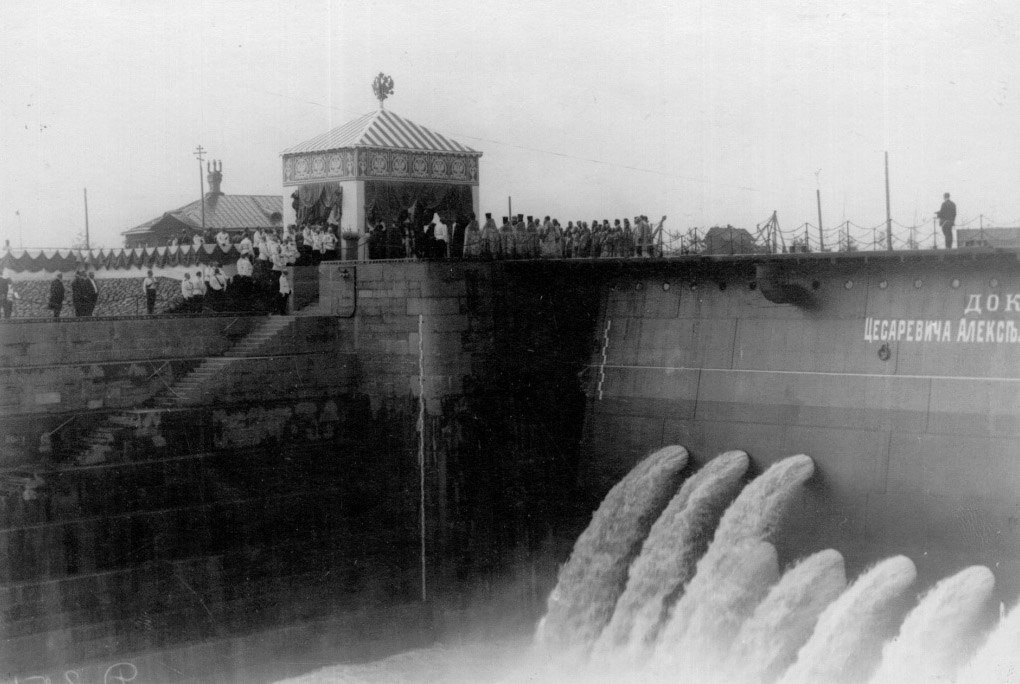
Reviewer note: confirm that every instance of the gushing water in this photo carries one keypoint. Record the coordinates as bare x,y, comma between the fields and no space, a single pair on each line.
666,615
939,631
668,557
998,659
768,641
591,581
741,578
850,631
751,518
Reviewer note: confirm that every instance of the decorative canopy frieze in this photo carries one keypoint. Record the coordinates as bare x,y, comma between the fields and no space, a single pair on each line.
374,164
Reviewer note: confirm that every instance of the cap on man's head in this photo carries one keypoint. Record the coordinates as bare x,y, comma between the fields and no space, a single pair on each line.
946,195
488,214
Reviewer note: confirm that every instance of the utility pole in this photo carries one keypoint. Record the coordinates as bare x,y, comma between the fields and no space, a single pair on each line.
888,209
509,208
818,197
199,151
88,245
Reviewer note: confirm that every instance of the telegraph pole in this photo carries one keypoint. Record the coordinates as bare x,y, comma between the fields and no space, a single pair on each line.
818,197
888,209
88,245
199,151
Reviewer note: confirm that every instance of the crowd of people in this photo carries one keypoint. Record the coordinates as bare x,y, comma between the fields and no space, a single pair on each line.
256,280
518,237
265,256
302,246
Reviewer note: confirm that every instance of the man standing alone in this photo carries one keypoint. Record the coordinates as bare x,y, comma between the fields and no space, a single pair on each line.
80,294
149,290
93,293
56,302
947,217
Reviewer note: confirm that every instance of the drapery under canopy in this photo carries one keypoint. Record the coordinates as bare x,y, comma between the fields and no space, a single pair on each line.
389,200
314,202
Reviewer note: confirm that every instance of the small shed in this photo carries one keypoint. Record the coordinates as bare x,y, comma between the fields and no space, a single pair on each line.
380,166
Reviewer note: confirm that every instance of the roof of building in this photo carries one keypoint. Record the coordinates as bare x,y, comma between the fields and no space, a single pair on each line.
384,130
230,212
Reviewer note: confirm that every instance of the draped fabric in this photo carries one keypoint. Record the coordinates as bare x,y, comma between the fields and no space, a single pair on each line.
314,202
388,200
33,261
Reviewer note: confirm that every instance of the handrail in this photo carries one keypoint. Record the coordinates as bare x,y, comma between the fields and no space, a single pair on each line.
60,427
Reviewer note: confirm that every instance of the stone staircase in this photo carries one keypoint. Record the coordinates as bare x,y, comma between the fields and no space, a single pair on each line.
189,390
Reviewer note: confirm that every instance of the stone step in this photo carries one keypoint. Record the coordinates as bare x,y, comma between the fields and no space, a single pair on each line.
124,420
202,374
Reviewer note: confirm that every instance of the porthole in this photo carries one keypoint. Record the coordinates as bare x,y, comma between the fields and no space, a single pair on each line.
994,282
849,284
882,284
918,283
955,284
665,287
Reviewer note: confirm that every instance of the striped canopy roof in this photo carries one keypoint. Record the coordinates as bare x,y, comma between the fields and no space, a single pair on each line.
382,129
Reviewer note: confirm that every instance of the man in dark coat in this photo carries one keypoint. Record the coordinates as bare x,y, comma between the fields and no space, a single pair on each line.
80,290
56,301
947,217
457,239
93,293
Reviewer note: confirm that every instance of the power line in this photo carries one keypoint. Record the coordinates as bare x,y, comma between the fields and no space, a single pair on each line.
563,155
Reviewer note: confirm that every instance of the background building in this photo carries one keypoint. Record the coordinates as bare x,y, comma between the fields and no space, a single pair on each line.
233,213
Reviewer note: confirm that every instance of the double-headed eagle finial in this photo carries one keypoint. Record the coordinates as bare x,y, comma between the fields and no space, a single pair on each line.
382,86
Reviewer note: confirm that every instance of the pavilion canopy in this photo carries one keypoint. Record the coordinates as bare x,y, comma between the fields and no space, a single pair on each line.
381,146
381,129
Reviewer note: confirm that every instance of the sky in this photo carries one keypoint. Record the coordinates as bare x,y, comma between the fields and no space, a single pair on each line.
709,112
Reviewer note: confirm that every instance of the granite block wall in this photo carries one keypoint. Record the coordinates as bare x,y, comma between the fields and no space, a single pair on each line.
291,493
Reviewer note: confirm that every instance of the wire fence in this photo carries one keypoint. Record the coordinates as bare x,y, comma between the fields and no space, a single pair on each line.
770,236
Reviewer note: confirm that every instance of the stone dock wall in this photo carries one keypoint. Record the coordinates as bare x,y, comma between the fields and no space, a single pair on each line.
291,494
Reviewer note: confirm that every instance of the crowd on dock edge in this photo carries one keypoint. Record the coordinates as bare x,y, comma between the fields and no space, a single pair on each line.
260,271
516,238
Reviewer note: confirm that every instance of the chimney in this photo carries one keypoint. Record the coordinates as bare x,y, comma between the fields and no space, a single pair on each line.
214,177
